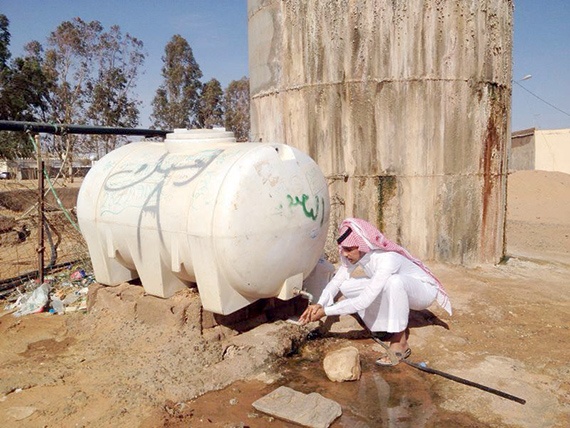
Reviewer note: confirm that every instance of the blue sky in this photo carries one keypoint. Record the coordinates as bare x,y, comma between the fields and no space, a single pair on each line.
541,49
217,33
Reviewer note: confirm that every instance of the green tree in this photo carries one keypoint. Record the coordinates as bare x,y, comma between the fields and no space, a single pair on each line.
211,111
69,63
94,74
112,101
4,41
24,93
176,103
236,108
85,76
25,87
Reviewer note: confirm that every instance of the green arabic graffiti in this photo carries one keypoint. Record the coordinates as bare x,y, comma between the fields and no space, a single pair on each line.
302,201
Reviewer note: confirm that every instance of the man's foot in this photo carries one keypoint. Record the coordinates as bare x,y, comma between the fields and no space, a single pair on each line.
399,341
392,358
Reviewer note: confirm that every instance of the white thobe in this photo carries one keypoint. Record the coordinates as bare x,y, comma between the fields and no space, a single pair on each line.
393,285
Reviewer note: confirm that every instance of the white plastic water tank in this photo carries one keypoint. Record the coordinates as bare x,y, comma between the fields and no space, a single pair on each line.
243,220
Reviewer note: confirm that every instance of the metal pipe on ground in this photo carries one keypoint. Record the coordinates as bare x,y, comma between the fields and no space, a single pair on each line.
465,381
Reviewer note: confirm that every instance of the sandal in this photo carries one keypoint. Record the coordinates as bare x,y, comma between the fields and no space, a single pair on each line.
391,358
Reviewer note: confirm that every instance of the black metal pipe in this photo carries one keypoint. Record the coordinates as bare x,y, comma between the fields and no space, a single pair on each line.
62,129
465,381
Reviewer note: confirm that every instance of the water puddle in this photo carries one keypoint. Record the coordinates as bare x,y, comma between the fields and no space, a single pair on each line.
393,396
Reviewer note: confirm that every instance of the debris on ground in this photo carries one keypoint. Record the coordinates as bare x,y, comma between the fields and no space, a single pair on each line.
65,291
32,302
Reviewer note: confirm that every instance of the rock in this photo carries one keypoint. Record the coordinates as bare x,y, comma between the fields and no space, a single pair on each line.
343,364
309,410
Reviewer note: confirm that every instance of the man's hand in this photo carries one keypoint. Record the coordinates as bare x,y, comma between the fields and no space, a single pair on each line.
312,313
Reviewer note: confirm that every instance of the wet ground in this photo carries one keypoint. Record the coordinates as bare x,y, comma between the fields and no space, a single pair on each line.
401,396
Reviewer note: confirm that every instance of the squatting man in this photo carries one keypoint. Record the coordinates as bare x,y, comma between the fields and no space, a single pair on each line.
395,282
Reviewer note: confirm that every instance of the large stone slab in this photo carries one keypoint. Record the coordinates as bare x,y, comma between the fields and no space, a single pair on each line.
310,410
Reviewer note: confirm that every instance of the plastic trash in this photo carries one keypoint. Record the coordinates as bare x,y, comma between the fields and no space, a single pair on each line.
33,302
89,279
77,275
71,298
57,305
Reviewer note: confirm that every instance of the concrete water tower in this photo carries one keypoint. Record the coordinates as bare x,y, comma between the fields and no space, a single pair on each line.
404,105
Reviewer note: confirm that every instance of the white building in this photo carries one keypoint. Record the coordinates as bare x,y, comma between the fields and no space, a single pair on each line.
27,169
540,149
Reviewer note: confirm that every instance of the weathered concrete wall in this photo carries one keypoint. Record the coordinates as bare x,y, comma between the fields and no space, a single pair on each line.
405,106
521,155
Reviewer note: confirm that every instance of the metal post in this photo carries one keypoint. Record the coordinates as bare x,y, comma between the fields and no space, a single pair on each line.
40,210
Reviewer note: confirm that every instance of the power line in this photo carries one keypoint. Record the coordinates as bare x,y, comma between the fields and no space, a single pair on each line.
543,100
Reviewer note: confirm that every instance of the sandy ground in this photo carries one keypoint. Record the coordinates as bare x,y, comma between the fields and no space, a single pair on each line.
135,360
